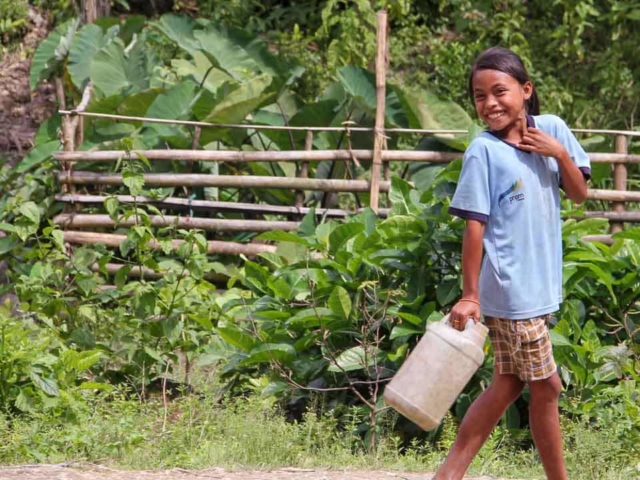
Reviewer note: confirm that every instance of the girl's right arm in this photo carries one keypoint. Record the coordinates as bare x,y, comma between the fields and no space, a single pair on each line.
469,304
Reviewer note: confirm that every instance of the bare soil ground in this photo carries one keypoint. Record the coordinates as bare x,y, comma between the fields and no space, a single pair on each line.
21,112
63,472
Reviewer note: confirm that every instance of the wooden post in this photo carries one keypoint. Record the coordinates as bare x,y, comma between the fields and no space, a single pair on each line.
619,180
378,134
304,170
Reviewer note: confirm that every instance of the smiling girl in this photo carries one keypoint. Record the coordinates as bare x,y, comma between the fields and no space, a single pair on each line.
508,193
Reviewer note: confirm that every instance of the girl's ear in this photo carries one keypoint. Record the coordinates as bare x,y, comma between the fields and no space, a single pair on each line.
527,89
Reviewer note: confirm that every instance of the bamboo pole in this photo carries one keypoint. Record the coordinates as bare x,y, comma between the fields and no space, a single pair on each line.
631,217
606,239
424,131
619,180
230,181
209,224
260,156
184,203
145,272
298,155
613,195
378,134
304,169
214,247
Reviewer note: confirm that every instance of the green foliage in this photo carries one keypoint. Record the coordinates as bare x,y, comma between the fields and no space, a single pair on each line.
38,373
13,20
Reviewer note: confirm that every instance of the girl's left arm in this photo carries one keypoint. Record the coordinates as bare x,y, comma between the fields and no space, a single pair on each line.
573,181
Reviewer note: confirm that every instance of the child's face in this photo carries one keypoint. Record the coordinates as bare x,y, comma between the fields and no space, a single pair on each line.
499,98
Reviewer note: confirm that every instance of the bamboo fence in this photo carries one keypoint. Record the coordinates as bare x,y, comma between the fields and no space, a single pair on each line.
75,222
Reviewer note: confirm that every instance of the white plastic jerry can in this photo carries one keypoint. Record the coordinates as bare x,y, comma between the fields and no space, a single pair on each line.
436,372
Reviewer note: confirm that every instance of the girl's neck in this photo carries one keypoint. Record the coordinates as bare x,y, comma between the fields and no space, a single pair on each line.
514,132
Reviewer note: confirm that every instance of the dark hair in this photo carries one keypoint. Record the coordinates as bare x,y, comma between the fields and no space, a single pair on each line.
506,61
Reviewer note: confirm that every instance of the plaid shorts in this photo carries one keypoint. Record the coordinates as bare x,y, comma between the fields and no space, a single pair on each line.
522,347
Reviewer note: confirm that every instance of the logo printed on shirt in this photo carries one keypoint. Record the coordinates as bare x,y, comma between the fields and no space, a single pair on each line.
513,189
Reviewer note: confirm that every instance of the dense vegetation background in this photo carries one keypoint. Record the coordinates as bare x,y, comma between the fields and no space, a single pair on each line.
315,329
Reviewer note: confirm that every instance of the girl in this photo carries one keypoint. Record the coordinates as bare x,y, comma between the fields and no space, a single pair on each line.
508,193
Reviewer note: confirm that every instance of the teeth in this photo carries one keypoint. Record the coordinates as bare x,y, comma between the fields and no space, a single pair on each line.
493,116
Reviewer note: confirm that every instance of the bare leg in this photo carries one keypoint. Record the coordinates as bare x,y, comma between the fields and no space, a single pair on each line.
545,425
480,420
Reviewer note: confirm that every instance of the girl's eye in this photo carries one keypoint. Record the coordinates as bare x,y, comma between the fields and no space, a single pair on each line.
479,97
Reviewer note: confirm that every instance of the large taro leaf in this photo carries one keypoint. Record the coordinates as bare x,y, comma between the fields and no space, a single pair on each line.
360,84
179,29
174,104
240,54
88,42
52,52
319,114
234,107
202,71
113,70
436,113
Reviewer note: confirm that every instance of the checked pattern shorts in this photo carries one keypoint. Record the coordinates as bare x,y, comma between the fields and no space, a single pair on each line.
522,347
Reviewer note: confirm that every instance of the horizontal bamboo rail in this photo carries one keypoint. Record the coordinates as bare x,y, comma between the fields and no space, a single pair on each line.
229,181
145,272
191,123
613,195
214,247
271,156
296,155
77,220
630,217
213,206
344,128
605,238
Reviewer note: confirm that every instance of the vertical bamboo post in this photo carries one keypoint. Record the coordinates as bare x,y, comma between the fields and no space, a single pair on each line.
378,134
304,169
619,180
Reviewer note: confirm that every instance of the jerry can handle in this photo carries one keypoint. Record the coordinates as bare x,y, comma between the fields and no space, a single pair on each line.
470,322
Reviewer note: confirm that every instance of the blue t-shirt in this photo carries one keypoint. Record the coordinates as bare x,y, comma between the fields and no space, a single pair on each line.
516,194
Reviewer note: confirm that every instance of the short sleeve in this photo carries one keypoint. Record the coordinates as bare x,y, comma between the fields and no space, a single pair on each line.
472,198
575,150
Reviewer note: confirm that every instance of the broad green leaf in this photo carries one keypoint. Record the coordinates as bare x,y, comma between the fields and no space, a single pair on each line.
266,353
236,337
403,330
234,107
438,114
179,29
87,359
52,52
340,302
280,236
88,42
559,340
112,71
38,155
25,401
174,104
280,287
312,316
203,72
359,84
414,319
342,233
47,385
350,360
238,53
134,182
111,205
30,211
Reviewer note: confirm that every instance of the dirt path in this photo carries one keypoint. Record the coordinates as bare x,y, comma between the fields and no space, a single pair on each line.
62,472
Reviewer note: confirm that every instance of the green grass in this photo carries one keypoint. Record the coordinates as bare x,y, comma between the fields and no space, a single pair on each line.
199,433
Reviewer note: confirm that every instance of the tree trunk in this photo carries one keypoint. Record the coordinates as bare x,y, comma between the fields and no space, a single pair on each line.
92,9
